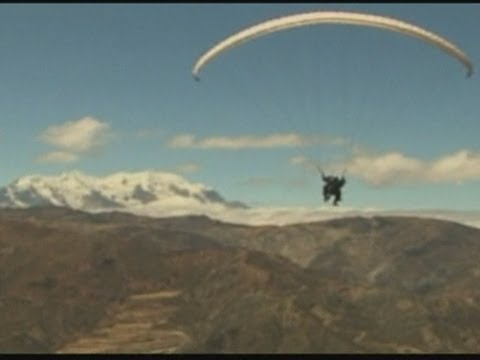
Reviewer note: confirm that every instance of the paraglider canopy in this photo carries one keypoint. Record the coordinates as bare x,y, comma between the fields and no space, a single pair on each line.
332,17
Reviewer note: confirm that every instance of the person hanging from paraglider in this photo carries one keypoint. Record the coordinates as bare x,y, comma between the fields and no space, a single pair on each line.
333,187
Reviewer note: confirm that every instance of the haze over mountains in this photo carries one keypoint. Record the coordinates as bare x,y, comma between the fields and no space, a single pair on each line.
160,194
77,282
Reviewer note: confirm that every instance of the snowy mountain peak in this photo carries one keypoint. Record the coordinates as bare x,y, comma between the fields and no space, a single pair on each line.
144,191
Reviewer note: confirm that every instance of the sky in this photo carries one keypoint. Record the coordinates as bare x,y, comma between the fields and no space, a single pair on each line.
103,88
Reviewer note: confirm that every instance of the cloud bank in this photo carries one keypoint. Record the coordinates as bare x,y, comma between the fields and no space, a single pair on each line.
280,216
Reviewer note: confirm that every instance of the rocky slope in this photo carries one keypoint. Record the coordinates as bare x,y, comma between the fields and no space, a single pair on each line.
72,281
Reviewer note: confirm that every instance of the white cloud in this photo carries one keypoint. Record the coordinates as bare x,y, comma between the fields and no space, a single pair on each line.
396,168
461,166
385,169
188,168
78,136
57,157
251,141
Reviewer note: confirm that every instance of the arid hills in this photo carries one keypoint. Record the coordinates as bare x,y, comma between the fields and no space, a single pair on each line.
76,282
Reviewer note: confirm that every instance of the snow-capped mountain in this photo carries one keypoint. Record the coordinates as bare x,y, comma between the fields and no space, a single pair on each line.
160,194
137,192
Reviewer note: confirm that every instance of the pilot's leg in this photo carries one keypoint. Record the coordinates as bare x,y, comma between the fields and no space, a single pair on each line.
337,198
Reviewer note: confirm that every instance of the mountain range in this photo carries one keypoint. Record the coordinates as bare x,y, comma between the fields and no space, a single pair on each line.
131,192
162,194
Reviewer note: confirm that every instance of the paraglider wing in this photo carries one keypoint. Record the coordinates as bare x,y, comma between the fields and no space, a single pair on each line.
332,17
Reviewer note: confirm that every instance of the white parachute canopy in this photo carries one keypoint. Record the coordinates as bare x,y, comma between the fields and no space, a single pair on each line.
332,17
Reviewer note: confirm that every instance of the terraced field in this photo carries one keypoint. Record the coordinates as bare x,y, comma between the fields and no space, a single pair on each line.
140,324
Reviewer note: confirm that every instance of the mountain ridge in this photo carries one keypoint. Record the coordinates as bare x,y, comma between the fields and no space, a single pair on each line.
128,191
72,281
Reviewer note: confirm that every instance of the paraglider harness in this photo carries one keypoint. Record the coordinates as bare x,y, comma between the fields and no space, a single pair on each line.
332,186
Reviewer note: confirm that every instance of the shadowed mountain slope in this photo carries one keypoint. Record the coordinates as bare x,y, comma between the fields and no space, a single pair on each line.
77,282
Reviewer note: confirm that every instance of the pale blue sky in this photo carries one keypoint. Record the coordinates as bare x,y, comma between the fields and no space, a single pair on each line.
129,65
